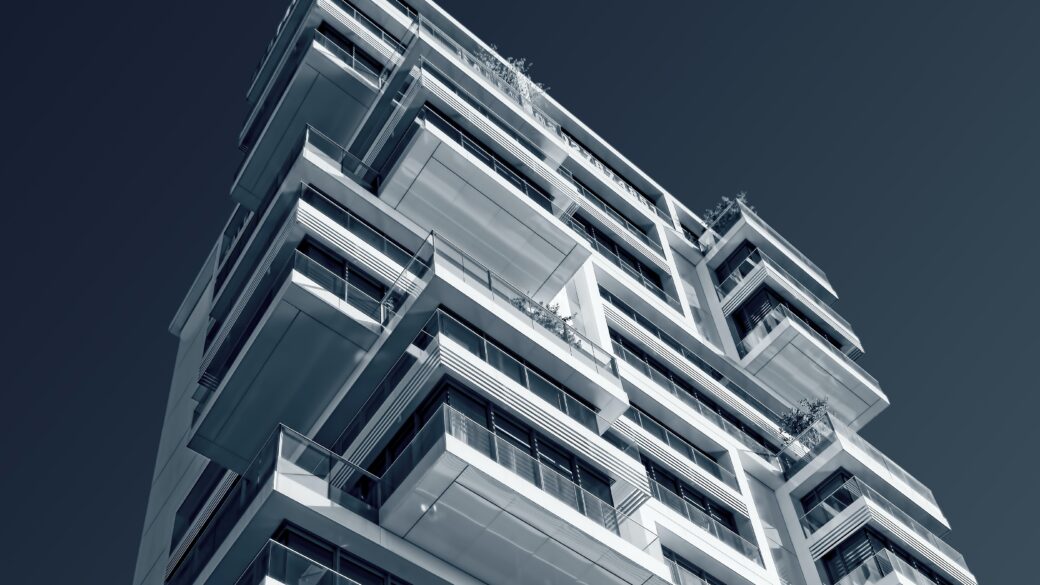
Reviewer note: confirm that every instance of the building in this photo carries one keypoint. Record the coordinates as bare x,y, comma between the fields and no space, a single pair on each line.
451,336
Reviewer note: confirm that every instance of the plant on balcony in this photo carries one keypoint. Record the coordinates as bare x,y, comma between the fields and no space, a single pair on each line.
549,317
799,423
725,213
515,72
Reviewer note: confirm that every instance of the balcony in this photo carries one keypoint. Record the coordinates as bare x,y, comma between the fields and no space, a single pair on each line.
738,223
681,445
829,445
280,564
466,495
785,352
854,504
612,258
757,269
446,180
885,568
287,468
705,410
706,523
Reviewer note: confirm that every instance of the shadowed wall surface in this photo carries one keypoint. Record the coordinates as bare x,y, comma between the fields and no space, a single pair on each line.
894,143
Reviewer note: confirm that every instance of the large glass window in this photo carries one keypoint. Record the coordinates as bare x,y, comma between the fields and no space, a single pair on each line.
825,489
732,261
683,569
861,547
329,555
760,304
605,243
691,496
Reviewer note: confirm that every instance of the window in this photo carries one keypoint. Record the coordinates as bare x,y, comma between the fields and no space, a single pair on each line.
733,261
682,569
608,245
689,495
760,304
825,489
329,555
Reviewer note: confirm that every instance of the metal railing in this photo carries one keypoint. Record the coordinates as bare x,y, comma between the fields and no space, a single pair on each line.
854,489
616,260
673,440
447,421
882,564
781,313
349,58
705,522
286,566
683,576
692,401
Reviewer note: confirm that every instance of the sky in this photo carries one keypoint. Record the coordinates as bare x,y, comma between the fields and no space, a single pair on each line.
895,143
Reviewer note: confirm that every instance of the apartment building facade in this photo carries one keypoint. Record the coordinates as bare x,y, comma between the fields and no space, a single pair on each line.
450,335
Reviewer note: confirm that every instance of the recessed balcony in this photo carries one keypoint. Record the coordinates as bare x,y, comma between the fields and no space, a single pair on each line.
785,352
467,495
829,445
855,504
885,568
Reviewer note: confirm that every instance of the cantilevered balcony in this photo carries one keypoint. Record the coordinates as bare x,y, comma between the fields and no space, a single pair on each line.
756,269
885,568
738,224
855,504
787,353
706,523
277,563
471,190
829,445
255,370
466,494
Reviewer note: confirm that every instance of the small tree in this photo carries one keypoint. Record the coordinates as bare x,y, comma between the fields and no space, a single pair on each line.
515,72
725,213
548,316
795,422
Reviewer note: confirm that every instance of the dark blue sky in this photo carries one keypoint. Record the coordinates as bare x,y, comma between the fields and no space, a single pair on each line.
895,143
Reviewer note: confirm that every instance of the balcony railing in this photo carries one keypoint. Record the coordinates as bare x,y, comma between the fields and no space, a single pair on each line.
349,58
355,225
349,164
682,576
804,448
616,260
336,285
614,215
525,186
756,257
683,446
297,458
854,489
731,215
882,564
705,522
780,313
447,421
370,26
278,563
692,401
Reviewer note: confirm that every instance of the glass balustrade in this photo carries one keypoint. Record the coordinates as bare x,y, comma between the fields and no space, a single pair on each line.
357,226
705,522
665,435
692,401
880,565
278,563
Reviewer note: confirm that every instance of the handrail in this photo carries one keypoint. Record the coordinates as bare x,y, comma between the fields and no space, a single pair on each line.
371,25
355,225
621,220
337,285
349,57
350,164
288,567
697,516
880,565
